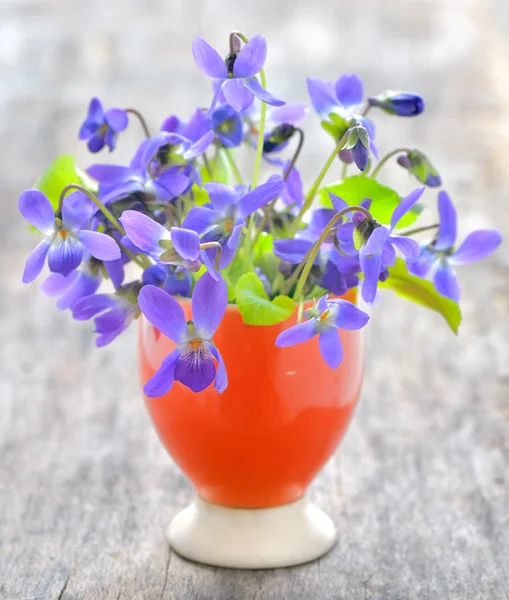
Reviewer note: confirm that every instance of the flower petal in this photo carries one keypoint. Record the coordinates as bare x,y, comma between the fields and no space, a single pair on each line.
162,380
330,347
422,264
56,284
65,255
292,113
37,210
164,312
337,202
297,334
199,218
170,184
209,302
260,196
208,59
117,119
332,279
115,270
388,254
35,261
144,232
408,247
349,90
405,205
89,306
237,95
370,266
261,93
446,282
76,209
322,96
82,286
199,146
349,316
99,245
196,369
186,242
476,246
234,239
293,192
292,250
375,241
221,382
221,196
448,222
110,173
251,58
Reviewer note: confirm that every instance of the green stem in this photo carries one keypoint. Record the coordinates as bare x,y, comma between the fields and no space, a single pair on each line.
207,164
316,248
344,170
420,229
261,135
295,154
385,159
314,188
140,118
141,261
233,165
219,252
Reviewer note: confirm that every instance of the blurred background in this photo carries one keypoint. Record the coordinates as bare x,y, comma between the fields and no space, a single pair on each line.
75,442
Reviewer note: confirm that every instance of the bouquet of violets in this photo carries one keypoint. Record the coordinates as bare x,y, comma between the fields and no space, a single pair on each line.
196,227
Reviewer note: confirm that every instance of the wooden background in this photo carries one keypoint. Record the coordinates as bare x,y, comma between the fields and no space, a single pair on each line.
420,488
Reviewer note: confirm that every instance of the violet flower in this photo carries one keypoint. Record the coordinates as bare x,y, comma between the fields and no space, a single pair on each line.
192,362
227,125
78,284
379,242
440,257
113,312
236,75
179,246
222,221
403,104
101,128
66,239
323,320
172,280
293,192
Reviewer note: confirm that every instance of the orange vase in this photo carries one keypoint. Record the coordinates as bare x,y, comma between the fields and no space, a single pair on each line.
262,441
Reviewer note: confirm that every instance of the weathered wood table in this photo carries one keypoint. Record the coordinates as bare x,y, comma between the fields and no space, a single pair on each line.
420,488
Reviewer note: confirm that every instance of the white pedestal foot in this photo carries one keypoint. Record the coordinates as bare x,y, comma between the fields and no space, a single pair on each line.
251,538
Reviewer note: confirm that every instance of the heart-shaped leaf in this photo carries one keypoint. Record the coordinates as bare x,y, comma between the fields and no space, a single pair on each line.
255,306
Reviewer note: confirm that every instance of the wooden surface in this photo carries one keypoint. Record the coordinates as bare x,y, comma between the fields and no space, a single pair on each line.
420,488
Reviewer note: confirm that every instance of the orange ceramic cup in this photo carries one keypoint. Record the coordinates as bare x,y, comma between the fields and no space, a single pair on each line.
262,441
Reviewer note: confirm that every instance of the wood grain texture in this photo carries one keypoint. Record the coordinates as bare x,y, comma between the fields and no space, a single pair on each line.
420,487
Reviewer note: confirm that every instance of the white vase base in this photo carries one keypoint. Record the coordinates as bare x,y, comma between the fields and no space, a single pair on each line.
251,538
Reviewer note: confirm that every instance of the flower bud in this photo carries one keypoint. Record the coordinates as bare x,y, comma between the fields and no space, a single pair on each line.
276,140
419,165
403,104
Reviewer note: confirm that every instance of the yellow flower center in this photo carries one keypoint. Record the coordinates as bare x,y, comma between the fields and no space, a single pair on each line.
195,344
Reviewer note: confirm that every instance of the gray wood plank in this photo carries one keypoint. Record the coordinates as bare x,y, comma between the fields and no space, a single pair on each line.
420,487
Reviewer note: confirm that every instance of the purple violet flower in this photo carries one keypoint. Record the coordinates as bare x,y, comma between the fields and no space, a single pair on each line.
236,75
441,256
323,320
228,126
282,123
192,362
179,246
222,221
113,312
70,289
66,240
378,252
293,192
403,104
100,128
172,280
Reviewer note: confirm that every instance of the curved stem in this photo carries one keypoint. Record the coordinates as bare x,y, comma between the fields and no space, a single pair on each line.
105,211
207,164
385,159
314,188
233,165
261,135
141,261
419,229
296,154
218,253
140,118
344,170
316,248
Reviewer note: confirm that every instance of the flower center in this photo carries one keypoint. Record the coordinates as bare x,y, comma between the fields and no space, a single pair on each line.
228,225
229,61
63,233
324,315
195,344
103,129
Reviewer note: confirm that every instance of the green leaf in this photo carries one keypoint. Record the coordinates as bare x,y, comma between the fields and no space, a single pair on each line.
255,306
61,172
354,189
264,257
422,292
336,127
200,196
